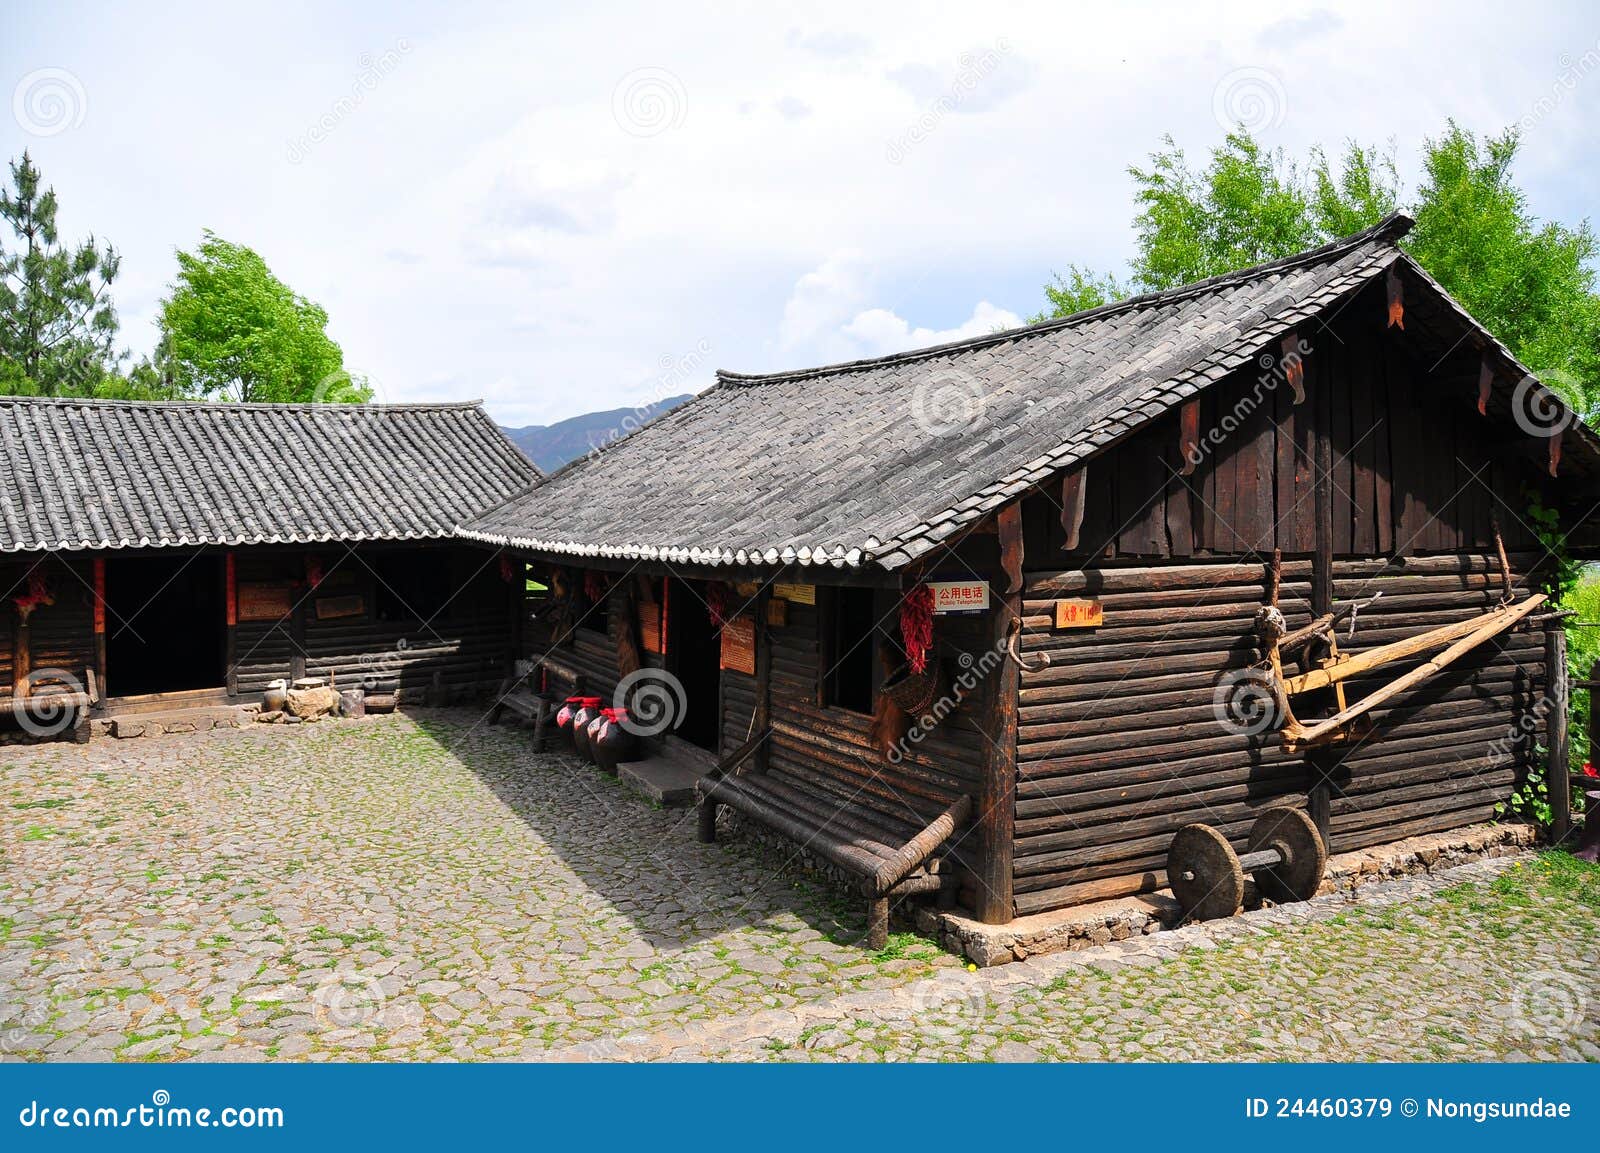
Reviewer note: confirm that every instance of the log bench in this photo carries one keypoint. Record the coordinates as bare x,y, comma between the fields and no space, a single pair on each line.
518,694
56,705
883,863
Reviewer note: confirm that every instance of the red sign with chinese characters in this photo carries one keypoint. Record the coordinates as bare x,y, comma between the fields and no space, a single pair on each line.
1079,614
739,644
960,596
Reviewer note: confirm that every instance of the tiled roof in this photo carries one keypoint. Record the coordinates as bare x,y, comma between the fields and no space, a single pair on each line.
876,462
84,474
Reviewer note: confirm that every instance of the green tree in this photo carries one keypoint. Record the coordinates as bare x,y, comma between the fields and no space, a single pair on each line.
1530,283
233,329
58,327
1078,291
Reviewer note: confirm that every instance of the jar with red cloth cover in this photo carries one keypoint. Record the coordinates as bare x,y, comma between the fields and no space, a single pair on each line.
613,743
588,710
569,709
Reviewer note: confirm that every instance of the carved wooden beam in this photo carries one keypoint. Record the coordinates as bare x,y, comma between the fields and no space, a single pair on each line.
1293,364
1189,434
1485,383
1009,521
1397,299
1072,506
1555,452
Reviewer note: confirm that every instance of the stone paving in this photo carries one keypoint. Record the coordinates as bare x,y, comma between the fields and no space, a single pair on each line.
424,888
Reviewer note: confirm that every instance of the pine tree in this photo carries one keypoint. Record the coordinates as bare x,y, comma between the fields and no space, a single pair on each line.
58,327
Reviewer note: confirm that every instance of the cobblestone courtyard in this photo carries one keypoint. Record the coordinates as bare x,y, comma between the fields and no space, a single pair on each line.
420,888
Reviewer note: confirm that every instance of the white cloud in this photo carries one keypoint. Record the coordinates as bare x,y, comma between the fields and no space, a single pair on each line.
482,223
881,332
823,298
970,83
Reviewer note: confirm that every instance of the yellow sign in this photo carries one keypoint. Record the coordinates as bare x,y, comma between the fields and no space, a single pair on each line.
798,594
1079,614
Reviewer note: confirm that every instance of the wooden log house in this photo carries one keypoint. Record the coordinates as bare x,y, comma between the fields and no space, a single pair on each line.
1107,503
187,554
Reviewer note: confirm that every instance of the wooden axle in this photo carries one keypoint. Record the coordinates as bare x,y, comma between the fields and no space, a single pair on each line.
1285,854
1267,858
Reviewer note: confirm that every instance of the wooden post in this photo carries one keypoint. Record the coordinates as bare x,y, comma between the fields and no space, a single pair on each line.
763,712
519,614
1322,489
1557,699
230,600
1590,832
100,622
877,922
997,805
1319,800
297,636
706,821
1594,712
20,667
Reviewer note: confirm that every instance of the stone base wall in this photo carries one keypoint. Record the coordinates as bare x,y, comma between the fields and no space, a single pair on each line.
1103,922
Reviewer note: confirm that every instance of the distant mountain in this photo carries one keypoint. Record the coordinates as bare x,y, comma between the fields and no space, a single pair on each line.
552,445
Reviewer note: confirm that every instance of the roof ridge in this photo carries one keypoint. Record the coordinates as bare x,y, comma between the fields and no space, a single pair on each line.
1391,228
237,406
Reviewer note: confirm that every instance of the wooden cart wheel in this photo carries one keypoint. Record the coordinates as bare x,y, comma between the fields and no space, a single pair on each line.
1204,873
1293,834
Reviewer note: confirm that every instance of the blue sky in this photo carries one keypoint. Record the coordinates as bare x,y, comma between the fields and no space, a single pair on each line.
562,208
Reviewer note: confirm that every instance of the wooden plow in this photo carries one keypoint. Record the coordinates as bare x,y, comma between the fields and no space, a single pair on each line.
1335,668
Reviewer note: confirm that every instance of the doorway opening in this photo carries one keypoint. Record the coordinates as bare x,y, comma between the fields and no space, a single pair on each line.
165,624
696,649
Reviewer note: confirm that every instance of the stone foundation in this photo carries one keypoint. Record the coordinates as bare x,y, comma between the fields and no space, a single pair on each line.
1102,922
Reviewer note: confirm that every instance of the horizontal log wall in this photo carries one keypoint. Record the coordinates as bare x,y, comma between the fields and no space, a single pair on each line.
1452,750
594,654
465,648
61,635
826,751
738,709
264,650
1119,744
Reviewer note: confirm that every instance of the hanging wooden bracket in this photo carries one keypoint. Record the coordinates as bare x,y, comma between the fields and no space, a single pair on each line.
1072,505
1485,383
1293,363
1189,435
1009,521
1395,290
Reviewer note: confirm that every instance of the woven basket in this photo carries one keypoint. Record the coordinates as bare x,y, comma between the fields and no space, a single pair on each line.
914,693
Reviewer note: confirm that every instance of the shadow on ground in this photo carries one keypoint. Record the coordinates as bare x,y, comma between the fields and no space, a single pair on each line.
644,860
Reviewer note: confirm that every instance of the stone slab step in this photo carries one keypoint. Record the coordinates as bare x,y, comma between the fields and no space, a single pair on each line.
667,780
174,721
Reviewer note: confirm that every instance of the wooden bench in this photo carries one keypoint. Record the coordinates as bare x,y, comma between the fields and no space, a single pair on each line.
518,694
60,699
884,864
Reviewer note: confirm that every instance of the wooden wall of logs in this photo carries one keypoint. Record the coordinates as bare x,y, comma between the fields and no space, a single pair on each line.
461,651
1414,467
1119,745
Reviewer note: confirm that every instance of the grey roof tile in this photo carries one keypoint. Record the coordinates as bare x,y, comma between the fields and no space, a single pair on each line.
912,448
85,474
